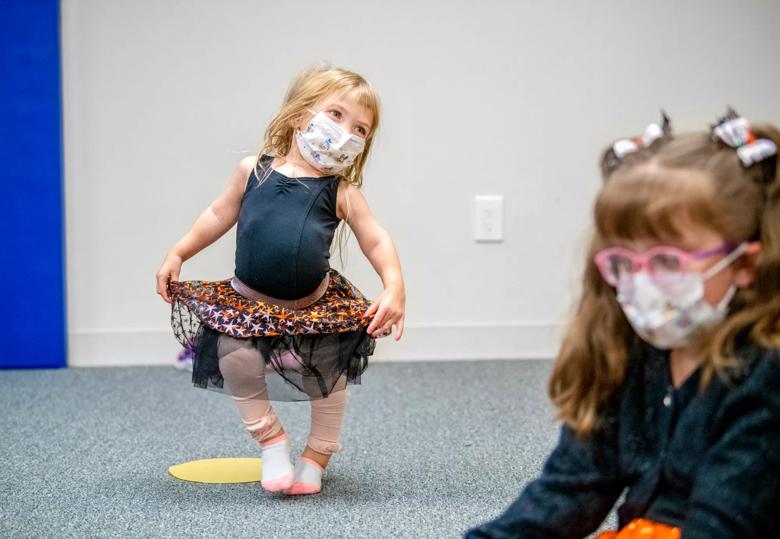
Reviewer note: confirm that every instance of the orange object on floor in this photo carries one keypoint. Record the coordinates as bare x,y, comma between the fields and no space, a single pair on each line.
641,528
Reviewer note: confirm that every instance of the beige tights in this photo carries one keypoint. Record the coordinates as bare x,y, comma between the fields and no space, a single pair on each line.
244,372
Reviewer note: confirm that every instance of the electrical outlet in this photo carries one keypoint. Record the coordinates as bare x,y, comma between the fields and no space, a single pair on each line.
489,222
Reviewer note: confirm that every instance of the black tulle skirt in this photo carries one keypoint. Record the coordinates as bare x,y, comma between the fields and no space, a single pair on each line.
306,353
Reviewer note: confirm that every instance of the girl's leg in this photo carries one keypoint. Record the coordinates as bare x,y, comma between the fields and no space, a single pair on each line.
243,369
327,416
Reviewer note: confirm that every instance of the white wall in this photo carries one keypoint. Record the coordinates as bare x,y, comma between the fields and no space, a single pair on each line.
162,98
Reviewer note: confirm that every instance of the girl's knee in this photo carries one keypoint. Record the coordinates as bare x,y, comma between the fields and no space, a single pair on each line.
238,358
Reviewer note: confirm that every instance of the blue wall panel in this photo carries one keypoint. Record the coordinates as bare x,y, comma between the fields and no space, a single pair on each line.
31,214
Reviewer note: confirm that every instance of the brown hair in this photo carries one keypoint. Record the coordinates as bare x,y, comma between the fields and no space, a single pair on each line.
643,196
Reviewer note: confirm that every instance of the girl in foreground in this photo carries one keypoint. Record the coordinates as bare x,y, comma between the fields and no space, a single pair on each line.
668,380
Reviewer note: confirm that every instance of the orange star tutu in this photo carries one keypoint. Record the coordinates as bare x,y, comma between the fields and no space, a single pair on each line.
308,351
641,528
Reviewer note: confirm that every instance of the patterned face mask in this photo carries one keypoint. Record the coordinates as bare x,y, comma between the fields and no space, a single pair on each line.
667,315
326,146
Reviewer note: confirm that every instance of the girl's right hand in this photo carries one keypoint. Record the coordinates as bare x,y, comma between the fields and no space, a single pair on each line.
169,271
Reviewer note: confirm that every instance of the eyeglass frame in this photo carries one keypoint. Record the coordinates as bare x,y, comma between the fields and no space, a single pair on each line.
642,260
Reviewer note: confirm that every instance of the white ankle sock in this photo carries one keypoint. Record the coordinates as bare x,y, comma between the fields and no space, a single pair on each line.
277,468
307,477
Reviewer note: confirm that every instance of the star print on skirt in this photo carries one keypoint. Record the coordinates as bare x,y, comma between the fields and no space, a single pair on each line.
306,351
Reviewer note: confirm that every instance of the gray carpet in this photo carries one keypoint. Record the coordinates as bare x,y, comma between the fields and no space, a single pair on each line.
430,449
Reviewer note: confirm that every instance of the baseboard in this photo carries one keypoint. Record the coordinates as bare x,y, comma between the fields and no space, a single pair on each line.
432,342
119,348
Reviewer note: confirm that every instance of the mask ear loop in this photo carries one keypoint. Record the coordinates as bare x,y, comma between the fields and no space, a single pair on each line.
724,303
725,261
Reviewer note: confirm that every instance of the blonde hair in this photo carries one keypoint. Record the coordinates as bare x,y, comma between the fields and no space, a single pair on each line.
644,196
309,89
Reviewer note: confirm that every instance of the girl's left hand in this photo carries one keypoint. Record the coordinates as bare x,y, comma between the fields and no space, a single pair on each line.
388,311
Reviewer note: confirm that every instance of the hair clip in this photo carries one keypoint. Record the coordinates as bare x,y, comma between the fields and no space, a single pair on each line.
734,131
623,147
756,151
652,133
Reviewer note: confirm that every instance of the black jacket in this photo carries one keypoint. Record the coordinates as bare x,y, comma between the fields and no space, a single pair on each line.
706,462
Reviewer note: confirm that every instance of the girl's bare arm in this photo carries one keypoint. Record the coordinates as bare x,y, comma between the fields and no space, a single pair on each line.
212,224
389,308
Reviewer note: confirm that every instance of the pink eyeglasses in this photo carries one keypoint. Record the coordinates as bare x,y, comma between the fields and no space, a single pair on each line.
661,263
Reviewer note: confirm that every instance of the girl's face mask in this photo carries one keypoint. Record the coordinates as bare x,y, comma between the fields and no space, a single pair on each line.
665,303
326,146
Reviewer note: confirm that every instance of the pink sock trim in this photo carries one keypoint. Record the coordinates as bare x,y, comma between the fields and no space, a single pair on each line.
280,438
277,485
312,462
302,488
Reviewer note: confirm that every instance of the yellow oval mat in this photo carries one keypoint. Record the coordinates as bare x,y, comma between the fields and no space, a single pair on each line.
230,470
